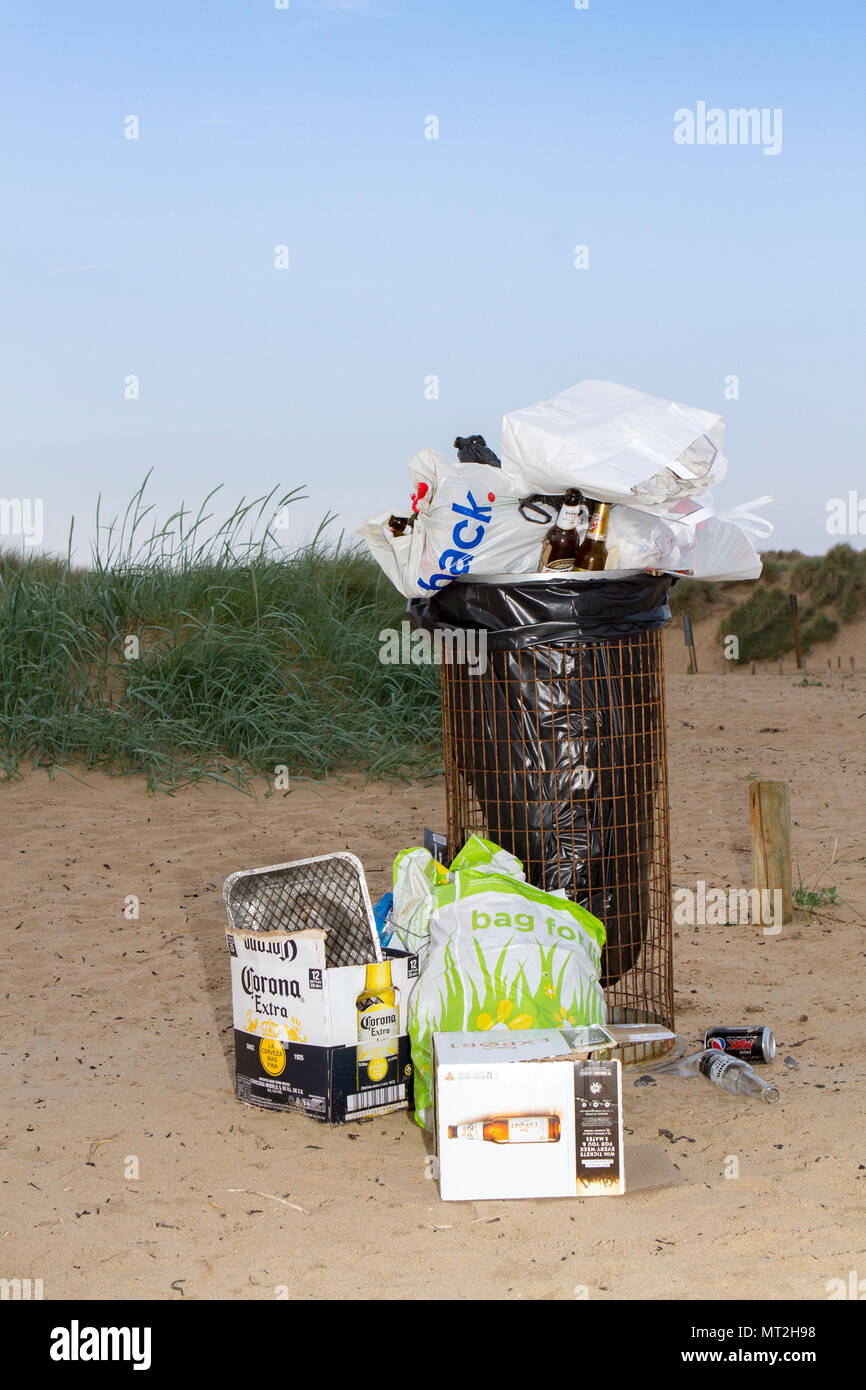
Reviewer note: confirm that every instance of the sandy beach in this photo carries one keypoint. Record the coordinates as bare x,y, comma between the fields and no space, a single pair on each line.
129,1170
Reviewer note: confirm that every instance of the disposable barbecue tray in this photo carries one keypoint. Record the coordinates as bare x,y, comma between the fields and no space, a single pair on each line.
328,892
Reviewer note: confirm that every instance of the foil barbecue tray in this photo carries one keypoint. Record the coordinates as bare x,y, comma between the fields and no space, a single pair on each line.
328,892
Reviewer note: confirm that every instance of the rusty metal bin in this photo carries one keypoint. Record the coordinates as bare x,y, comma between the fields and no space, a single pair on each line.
556,750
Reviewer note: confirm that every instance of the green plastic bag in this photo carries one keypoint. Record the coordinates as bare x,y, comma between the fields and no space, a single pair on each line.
496,953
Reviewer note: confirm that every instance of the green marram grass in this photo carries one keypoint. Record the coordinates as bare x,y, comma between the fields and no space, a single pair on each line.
251,658
831,588
248,658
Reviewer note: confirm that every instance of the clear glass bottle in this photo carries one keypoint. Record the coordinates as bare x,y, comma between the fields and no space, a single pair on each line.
736,1076
731,1073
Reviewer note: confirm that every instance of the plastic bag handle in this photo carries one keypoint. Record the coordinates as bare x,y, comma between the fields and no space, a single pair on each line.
681,470
759,526
530,504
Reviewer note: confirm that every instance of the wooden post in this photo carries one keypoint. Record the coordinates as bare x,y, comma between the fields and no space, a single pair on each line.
753,668
689,637
770,810
852,665
795,620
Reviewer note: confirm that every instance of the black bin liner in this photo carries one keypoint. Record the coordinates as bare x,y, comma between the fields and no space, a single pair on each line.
561,738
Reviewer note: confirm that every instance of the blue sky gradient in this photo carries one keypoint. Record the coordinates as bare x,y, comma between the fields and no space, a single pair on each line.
411,257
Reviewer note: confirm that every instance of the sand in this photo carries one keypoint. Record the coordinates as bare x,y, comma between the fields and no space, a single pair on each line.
128,1169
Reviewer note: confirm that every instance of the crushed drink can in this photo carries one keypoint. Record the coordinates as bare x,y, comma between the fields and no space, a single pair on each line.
751,1044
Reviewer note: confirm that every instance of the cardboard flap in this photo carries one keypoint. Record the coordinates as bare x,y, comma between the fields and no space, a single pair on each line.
625,1033
647,1166
301,934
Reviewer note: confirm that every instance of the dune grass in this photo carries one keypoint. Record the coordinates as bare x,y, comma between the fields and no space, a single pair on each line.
194,650
763,624
186,652
831,587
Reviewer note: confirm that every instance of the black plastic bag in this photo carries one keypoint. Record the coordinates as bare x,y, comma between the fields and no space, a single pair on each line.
475,449
561,739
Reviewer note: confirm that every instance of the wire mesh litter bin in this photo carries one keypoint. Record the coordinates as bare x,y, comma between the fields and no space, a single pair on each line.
557,751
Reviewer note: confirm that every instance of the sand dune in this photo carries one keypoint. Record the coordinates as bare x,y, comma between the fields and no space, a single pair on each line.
826,660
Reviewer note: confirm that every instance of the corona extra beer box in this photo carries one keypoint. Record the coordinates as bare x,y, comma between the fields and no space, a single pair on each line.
330,1041
536,1113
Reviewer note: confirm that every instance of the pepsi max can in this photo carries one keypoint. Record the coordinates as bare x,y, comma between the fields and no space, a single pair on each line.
752,1044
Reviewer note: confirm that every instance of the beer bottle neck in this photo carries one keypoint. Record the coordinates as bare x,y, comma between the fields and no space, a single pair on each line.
378,975
598,525
568,516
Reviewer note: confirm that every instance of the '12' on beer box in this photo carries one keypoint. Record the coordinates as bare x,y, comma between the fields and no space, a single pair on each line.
531,1114
330,1041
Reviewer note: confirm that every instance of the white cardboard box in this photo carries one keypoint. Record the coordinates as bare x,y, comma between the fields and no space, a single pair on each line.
534,1114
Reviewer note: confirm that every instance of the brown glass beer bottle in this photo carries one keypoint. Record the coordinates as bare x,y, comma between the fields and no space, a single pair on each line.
592,552
560,544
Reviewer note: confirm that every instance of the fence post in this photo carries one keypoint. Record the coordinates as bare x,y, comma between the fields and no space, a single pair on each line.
690,641
770,811
795,620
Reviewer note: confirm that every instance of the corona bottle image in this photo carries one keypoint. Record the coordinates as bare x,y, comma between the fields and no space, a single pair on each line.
378,1007
515,1129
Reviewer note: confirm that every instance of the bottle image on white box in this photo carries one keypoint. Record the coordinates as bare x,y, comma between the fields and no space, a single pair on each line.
378,1007
514,1129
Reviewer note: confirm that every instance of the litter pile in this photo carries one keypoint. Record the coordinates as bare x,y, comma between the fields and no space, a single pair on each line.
502,992
469,988
609,465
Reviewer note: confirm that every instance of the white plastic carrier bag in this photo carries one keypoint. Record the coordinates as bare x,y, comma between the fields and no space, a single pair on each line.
615,444
468,523
691,539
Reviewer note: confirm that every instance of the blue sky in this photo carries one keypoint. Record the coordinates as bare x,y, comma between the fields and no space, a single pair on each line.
412,257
